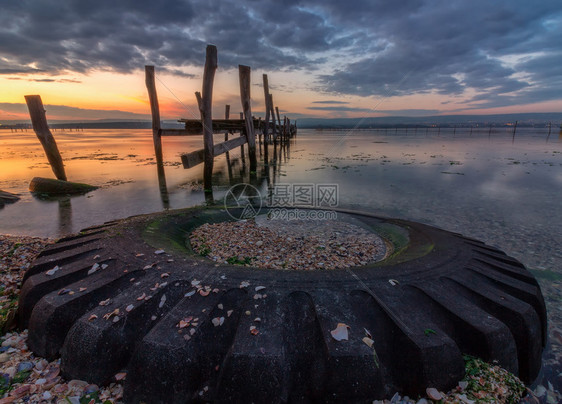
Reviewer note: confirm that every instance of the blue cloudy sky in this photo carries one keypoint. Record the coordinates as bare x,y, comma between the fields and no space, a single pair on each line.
324,58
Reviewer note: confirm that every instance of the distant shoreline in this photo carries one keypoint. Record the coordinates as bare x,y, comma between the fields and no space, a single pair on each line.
529,120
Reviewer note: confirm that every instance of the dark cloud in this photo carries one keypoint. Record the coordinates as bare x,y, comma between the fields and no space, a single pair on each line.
45,80
451,48
330,102
410,112
341,109
504,51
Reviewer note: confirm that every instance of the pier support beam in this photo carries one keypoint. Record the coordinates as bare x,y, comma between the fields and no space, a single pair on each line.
244,75
267,108
206,106
155,110
41,128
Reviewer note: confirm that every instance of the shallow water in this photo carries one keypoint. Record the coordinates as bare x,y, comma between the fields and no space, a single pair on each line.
502,190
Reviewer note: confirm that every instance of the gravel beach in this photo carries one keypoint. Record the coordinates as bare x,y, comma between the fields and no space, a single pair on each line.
26,378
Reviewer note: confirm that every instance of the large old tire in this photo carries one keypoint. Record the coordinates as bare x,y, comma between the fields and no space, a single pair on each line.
448,296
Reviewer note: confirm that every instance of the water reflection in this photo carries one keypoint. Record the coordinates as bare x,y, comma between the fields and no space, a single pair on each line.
233,170
162,186
65,215
430,178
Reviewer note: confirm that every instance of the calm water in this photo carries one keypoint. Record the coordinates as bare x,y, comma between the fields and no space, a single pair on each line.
505,192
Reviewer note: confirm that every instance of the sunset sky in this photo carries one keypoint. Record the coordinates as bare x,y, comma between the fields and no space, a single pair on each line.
327,58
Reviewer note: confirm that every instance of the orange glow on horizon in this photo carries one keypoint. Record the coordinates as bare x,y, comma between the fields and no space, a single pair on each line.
109,91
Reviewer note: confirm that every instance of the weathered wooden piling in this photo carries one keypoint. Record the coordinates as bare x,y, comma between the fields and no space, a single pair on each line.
267,108
278,117
155,111
206,107
226,117
272,110
244,75
41,128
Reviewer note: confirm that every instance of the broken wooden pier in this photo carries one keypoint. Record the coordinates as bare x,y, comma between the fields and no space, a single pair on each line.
269,130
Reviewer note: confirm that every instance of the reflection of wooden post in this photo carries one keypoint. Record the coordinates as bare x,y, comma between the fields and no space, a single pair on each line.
244,75
206,107
155,110
41,128
164,196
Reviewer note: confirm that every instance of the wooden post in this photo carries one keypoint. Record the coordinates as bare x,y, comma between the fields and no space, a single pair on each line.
199,100
514,129
155,110
227,117
274,129
244,75
278,121
267,108
227,154
278,117
207,117
41,128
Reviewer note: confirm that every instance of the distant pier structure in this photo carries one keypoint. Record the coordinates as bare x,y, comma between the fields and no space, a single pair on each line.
243,131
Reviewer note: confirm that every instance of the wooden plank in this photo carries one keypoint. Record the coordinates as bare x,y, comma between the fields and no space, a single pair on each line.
178,132
192,159
41,128
244,76
155,111
197,157
219,125
230,144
